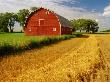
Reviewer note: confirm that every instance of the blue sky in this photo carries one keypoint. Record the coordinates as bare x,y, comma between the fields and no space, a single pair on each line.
97,5
72,9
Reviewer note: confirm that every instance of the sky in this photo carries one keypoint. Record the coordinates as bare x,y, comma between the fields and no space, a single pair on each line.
98,10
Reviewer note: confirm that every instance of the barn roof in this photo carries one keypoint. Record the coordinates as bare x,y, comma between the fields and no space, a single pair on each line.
63,21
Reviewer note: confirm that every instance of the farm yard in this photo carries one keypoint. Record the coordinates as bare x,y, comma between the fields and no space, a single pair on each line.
73,60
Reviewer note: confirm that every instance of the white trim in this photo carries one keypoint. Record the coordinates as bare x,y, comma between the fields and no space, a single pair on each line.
59,22
40,20
54,29
47,12
30,30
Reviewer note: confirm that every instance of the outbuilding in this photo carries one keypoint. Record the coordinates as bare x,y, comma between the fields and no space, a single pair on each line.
46,22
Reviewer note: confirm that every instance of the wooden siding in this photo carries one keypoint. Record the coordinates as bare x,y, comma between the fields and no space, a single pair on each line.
45,22
50,21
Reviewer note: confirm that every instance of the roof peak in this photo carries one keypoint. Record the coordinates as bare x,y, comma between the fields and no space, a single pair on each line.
64,21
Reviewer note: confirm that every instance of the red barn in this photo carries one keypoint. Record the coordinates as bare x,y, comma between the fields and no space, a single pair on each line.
45,22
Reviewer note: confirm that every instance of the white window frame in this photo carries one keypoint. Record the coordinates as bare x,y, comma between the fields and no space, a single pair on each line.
47,12
40,20
54,29
30,30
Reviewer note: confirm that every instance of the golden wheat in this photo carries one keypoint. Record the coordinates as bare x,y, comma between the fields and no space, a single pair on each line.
74,66
12,66
64,62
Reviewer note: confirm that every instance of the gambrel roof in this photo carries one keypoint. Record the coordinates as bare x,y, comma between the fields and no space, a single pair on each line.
63,21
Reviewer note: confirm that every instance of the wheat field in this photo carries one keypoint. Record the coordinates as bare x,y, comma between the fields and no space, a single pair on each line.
75,60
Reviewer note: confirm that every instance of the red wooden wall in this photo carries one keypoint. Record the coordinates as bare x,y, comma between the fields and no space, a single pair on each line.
66,30
33,27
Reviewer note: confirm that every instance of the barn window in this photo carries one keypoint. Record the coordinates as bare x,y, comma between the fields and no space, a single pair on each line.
47,12
29,29
54,29
41,22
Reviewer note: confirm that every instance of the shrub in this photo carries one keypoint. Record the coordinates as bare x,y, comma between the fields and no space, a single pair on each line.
33,44
78,34
45,41
54,39
6,48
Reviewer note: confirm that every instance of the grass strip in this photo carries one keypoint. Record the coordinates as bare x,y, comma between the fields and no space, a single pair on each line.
7,48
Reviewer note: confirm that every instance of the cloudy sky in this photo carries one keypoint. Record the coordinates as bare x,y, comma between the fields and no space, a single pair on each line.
71,9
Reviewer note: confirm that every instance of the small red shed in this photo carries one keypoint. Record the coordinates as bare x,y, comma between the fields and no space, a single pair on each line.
46,22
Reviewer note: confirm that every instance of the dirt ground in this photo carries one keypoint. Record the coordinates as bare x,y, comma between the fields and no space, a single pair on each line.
75,60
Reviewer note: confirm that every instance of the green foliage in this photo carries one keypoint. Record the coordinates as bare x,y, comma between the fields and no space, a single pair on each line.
79,24
22,16
46,41
33,9
7,21
33,44
4,22
12,43
85,24
78,34
4,29
108,30
12,19
6,48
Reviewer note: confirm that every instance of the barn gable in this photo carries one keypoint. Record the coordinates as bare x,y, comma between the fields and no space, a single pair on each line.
63,21
46,22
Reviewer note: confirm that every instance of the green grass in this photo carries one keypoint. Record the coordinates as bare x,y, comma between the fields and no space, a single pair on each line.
16,38
15,42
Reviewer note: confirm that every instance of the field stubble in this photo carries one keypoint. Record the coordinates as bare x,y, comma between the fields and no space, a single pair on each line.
13,66
62,62
104,46
80,65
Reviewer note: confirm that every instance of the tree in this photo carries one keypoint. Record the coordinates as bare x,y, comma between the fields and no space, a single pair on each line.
3,23
11,20
7,21
85,24
22,16
108,30
79,24
91,25
33,9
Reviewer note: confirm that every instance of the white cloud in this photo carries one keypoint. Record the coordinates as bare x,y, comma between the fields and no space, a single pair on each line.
58,7
15,5
107,11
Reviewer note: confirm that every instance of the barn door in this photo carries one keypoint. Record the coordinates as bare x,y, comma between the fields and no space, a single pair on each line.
41,27
41,22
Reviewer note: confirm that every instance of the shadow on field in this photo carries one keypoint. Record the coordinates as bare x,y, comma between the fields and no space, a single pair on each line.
84,36
5,52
